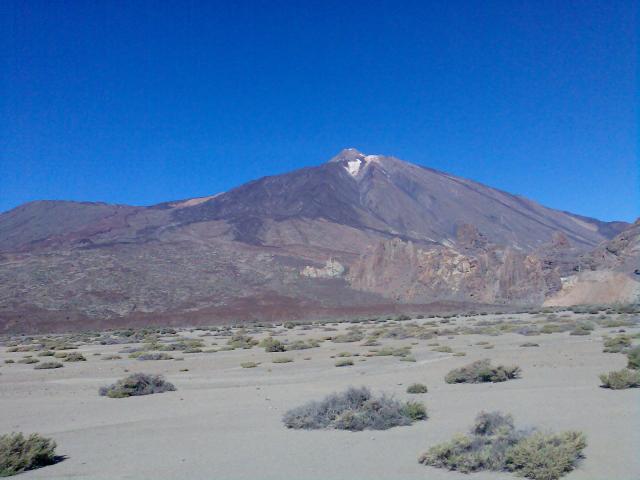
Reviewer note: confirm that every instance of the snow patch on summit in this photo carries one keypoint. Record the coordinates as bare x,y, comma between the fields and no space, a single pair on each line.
355,166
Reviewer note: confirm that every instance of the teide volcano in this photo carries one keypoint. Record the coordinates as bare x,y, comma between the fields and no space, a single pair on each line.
358,234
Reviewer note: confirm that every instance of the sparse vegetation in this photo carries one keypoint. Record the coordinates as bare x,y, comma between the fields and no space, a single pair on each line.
633,358
143,356
282,360
74,357
19,453
482,371
417,388
48,365
621,379
616,344
355,409
494,444
137,384
529,344
346,362
249,364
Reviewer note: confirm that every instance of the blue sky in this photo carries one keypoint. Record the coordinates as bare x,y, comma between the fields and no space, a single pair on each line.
142,102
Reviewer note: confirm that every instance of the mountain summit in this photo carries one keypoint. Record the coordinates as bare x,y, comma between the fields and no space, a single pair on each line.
357,233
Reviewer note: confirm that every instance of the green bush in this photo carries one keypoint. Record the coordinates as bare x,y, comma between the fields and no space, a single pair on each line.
249,364
621,379
137,384
546,456
633,358
482,371
282,360
494,444
271,344
616,344
353,336
417,388
19,453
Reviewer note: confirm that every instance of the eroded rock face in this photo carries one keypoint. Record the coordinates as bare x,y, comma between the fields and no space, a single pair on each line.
408,273
332,269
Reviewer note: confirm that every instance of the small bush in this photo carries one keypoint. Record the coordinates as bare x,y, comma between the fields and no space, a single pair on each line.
633,358
529,344
415,411
355,409
28,360
19,453
153,356
110,357
344,362
482,371
48,365
353,336
417,388
249,365
621,379
616,344
443,349
282,360
271,344
74,357
46,353
546,456
494,444
137,384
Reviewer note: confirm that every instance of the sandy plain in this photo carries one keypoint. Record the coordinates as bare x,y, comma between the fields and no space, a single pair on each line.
225,421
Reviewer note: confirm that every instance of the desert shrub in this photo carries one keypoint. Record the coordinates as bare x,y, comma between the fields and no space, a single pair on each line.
494,444
417,388
546,456
282,360
271,344
415,411
302,345
346,362
482,371
137,384
28,360
241,340
74,357
48,365
633,358
143,356
616,344
580,330
353,336
621,379
389,351
46,353
111,357
249,364
529,344
8,360
19,453
355,409
443,349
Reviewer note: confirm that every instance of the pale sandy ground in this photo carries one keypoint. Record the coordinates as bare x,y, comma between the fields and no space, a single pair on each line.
224,422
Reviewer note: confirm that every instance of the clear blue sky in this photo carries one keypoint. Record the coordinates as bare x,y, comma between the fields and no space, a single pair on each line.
142,102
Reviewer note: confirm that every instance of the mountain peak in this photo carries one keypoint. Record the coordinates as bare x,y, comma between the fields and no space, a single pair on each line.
353,160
